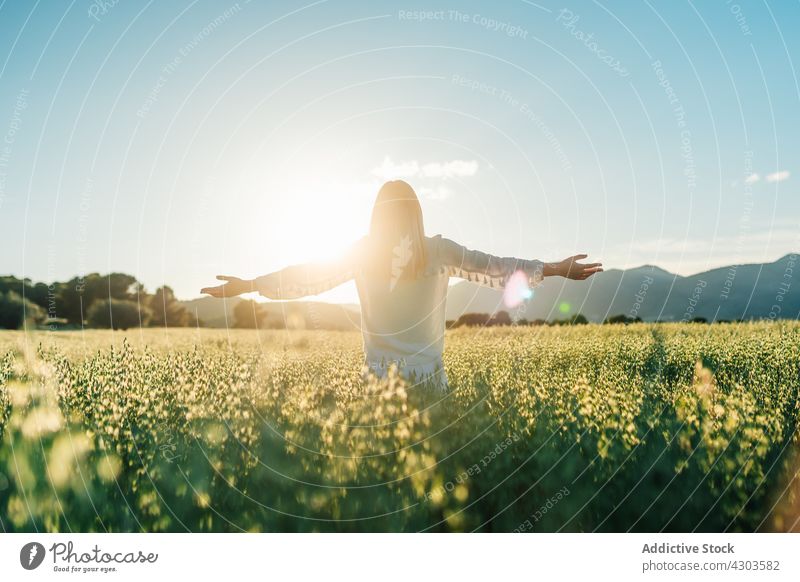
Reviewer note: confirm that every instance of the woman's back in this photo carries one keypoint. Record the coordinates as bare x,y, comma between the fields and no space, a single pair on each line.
403,319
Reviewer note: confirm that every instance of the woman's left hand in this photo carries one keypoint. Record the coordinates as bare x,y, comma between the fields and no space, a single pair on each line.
572,269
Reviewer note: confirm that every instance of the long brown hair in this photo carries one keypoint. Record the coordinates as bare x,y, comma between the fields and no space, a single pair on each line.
397,234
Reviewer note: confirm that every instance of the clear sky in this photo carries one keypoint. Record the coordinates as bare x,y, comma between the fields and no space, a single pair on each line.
178,140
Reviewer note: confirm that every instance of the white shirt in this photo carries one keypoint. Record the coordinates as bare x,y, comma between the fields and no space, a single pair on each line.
402,322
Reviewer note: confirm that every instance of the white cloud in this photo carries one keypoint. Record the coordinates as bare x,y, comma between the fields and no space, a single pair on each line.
752,179
389,169
778,176
437,193
451,169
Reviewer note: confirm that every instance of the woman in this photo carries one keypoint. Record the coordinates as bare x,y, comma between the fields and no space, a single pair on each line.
402,278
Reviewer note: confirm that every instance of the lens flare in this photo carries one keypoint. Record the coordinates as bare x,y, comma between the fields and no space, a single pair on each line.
517,290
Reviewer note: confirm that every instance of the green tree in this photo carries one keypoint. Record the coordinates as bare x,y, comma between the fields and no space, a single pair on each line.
248,314
118,313
500,318
69,301
41,294
77,296
167,310
14,310
622,318
472,319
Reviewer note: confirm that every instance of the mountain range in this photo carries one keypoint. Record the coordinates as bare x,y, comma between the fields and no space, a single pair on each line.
756,291
753,291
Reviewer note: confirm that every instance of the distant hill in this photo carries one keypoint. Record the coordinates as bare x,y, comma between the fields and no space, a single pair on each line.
299,314
728,293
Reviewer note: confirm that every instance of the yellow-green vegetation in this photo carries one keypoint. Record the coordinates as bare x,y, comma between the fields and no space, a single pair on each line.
677,427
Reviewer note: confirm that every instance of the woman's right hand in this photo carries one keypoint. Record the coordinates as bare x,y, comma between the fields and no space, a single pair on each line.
233,287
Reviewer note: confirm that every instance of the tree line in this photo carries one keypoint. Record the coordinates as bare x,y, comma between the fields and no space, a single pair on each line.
114,300
503,318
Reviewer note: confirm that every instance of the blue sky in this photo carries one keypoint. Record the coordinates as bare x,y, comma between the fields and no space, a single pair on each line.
179,140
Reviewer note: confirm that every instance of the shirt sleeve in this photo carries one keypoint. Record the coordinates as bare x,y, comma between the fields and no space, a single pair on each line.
310,278
486,269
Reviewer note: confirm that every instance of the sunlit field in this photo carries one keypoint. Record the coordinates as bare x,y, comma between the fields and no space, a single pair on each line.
673,427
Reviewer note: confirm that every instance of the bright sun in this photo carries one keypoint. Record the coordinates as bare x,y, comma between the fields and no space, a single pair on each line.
297,201
321,224
294,217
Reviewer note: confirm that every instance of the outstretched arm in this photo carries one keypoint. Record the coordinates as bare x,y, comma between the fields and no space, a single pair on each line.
302,280
292,282
493,271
